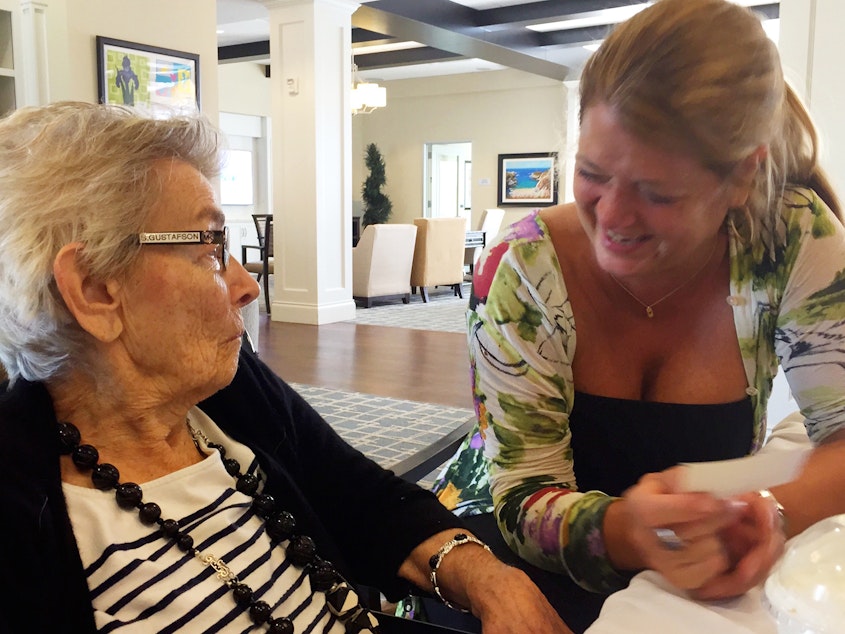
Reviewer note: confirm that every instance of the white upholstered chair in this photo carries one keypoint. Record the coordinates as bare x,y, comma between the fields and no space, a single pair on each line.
381,262
439,254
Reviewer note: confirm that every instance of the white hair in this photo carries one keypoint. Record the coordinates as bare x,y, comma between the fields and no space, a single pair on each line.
77,172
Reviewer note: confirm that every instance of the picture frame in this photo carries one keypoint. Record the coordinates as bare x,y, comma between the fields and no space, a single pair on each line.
527,179
160,81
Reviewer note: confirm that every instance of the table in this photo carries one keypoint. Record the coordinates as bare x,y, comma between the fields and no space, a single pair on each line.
473,243
650,605
475,239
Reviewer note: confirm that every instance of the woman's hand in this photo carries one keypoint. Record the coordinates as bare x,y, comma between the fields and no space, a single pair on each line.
507,602
502,597
753,543
679,535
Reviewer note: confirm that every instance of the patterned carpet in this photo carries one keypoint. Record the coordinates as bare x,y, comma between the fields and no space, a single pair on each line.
385,429
443,312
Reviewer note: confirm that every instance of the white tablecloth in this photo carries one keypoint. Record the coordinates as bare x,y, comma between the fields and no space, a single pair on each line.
650,605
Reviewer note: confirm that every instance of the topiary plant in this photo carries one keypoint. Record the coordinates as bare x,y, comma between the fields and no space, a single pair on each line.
377,206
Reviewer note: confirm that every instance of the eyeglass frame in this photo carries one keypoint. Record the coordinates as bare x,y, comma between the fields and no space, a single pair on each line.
219,237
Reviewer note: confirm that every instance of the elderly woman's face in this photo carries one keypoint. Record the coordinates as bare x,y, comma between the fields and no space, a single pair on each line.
182,318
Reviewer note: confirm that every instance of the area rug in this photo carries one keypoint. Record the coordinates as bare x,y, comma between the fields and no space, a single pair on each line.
385,429
443,312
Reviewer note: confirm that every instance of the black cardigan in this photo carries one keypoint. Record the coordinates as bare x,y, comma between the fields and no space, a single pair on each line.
364,519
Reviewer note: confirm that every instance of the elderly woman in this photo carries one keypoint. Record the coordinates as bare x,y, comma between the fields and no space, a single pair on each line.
157,476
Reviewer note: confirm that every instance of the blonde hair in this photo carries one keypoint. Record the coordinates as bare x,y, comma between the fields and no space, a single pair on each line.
701,76
77,172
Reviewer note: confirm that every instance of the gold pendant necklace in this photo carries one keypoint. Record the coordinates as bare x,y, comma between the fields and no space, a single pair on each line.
649,308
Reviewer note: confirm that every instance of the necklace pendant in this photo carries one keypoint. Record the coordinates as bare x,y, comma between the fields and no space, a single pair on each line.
649,312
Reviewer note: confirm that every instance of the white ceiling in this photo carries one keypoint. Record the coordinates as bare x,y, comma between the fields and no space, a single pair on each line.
246,21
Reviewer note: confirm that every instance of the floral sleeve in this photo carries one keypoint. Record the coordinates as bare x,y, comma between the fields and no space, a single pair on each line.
788,294
522,339
809,335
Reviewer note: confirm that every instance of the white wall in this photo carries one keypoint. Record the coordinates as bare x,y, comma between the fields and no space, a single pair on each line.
499,112
244,89
186,25
812,48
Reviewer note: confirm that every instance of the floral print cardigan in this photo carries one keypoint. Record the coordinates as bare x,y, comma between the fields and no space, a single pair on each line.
788,295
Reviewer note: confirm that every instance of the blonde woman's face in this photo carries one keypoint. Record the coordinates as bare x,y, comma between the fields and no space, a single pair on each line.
644,209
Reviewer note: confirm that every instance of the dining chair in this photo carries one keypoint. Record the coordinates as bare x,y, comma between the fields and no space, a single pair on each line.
439,254
264,266
490,224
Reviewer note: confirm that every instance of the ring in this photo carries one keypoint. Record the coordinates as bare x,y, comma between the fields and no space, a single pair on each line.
669,539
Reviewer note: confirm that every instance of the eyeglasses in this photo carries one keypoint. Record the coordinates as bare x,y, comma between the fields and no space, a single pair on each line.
220,238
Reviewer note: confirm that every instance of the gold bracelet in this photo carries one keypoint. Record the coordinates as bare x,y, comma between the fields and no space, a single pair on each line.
765,493
461,539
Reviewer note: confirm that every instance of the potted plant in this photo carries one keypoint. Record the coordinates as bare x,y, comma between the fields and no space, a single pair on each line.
377,206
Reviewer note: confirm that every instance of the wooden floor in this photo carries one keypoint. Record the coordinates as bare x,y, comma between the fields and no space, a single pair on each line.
414,365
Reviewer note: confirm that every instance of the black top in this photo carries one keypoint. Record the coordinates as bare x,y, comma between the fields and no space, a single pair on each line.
616,441
363,518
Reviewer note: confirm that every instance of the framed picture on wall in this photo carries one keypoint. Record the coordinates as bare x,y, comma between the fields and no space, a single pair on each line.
158,80
527,179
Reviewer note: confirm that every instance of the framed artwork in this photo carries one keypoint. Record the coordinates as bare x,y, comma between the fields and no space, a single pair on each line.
527,179
158,80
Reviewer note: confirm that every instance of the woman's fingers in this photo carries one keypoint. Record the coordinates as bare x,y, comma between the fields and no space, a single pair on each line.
754,544
680,534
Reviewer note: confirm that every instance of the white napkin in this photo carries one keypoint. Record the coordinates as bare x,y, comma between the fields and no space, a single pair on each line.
650,605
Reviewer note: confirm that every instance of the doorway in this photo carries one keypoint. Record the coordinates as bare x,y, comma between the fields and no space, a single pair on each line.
448,180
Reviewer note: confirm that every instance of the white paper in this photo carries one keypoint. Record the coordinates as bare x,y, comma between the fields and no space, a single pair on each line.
724,478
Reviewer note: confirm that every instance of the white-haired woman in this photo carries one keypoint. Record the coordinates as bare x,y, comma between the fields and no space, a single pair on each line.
159,478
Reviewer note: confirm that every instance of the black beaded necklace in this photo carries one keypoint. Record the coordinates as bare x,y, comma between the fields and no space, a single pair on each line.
341,599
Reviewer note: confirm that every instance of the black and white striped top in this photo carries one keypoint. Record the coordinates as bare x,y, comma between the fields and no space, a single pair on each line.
141,582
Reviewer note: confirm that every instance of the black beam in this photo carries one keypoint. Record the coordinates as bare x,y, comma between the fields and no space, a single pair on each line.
438,37
546,11
244,52
405,57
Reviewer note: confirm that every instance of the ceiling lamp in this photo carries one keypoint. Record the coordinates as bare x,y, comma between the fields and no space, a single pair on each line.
366,96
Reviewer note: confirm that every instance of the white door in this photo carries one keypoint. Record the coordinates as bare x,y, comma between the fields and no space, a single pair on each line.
448,192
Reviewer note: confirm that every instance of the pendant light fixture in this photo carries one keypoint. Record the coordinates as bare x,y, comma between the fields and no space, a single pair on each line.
366,96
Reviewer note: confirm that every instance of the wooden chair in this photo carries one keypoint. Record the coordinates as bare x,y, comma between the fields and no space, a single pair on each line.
263,267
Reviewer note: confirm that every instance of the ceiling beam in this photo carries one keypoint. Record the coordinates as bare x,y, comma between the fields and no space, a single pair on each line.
404,28
405,57
545,11
251,51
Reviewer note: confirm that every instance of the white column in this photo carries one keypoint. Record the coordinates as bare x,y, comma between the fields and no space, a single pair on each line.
573,107
34,39
812,49
310,66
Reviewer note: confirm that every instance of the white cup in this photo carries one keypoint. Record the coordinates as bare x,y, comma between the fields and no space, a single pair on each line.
805,591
